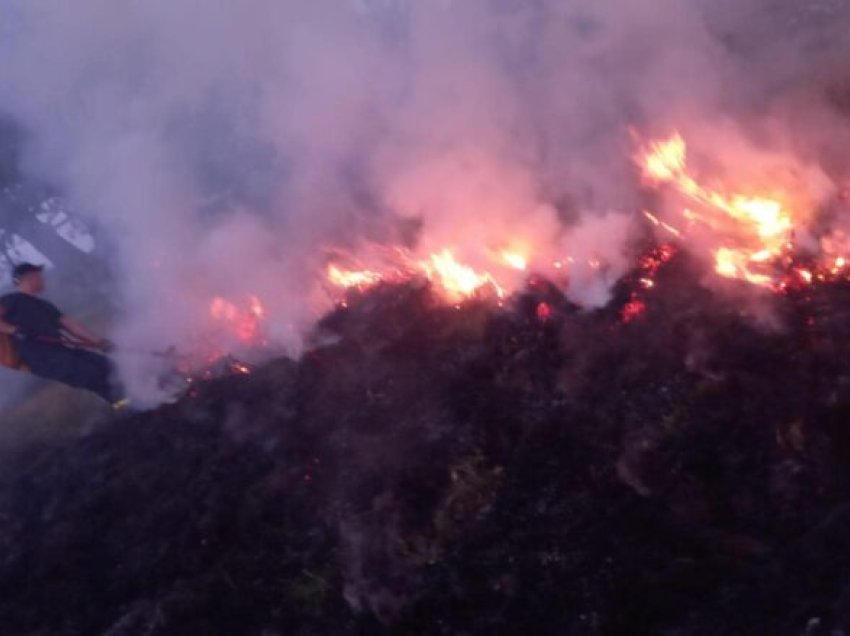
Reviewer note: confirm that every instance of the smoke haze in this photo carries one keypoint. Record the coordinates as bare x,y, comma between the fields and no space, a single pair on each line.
229,148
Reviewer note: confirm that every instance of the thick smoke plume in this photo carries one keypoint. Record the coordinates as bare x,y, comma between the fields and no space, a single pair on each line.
230,147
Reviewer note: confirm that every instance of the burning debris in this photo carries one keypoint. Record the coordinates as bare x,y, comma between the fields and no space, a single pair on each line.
643,281
455,281
751,235
751,239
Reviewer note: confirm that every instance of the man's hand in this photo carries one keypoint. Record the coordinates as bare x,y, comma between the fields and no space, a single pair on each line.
90,339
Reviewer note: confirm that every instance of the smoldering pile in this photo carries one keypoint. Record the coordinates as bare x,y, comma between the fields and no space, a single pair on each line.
434,469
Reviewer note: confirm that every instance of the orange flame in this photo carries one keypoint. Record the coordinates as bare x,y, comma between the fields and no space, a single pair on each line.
756,229
352,279
515,260
453,279
456,279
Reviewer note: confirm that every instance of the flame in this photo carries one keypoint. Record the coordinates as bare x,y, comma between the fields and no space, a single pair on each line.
205,356
732,263
352,279
757,229
456,279
453,279
659,223
515,260
665,160
245,324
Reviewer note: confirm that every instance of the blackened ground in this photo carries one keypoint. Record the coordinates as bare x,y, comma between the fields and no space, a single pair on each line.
441,470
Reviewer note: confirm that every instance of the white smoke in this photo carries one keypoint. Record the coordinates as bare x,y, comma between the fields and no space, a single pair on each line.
228,146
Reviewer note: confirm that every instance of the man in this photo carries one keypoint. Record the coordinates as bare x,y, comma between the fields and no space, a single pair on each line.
37,330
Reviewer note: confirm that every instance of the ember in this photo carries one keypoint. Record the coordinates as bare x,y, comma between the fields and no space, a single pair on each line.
544,311
205,356
632,310
648,267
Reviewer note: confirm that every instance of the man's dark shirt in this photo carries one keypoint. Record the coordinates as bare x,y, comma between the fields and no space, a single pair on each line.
33,315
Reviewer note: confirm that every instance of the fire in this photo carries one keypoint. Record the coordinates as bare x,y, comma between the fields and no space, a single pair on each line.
632,310
756,230
659,223
455,278
737,264
515,260
665,160
648,267
544,311
205,356
244,323
495,273
352,279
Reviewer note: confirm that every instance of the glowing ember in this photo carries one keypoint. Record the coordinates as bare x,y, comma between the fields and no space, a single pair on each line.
544,311
632,310
648,265
651,262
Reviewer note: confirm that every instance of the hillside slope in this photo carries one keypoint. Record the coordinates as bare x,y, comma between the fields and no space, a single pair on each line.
472,470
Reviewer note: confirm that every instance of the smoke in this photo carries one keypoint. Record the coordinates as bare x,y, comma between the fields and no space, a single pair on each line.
230,147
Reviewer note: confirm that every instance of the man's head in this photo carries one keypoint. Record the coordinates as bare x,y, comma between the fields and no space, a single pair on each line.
28,278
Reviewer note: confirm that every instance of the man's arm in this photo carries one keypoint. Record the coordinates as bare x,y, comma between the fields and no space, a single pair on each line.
5,327
79,331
